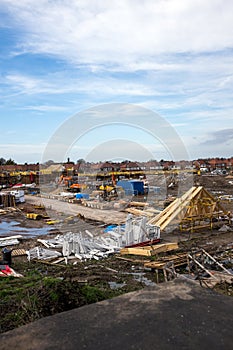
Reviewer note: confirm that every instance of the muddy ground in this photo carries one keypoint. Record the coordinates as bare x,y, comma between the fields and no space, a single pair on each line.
46,289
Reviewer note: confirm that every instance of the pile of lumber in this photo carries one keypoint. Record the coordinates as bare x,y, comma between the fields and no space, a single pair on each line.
7,200
138,212
148,212
138,204
7,210
149,250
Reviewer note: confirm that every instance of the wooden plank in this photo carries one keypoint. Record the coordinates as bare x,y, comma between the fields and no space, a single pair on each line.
179,259
201,266
58,260
135,251
182,205
160,265
138,212
218,263
138,204
133,260
170,208
18,252
153,210
149,250
11,237
173,257
163,248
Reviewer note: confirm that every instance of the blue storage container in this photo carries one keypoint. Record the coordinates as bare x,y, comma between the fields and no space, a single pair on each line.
132,187
82,195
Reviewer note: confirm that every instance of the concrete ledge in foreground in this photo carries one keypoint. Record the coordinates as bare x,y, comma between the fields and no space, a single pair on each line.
173,315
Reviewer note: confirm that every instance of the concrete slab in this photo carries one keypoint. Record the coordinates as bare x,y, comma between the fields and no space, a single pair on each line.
173,315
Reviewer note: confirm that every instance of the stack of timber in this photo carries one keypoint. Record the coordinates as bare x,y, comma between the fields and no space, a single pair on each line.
148,212
149,250
197,208
138,212
138,204
8,210
7,200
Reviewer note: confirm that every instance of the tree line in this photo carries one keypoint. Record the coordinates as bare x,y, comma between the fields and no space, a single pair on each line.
9,161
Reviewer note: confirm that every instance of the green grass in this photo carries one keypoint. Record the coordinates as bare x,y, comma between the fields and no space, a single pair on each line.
43,292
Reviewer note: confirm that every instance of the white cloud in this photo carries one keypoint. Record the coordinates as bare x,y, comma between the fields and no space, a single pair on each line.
33,85
22,153
60,84
198,81
44,108
122,32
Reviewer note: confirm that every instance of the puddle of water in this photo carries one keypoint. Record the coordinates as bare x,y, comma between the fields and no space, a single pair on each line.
115,285
140,277
12,228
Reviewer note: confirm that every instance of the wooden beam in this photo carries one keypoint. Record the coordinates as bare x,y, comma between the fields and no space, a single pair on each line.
212,258
182,206
170,207
201,266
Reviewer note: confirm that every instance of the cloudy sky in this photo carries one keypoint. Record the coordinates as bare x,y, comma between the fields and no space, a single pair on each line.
59,58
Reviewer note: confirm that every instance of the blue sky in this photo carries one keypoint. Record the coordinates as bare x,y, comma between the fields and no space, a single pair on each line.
59,58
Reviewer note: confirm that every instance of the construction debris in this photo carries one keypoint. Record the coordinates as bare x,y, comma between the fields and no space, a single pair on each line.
138,204
11,240
56,242
224,228
42,254
205,262
6,271
86,246
137,230
7,210
201,265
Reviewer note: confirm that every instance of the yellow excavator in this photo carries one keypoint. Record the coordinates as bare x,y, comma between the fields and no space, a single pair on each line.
108,192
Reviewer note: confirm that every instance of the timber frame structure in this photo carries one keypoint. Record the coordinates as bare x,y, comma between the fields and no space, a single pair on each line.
196,209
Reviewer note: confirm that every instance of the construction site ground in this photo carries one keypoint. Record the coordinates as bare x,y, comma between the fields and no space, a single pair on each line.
47,289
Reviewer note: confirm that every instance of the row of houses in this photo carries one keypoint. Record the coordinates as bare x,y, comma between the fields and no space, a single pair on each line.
208,164
85,167
214,163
